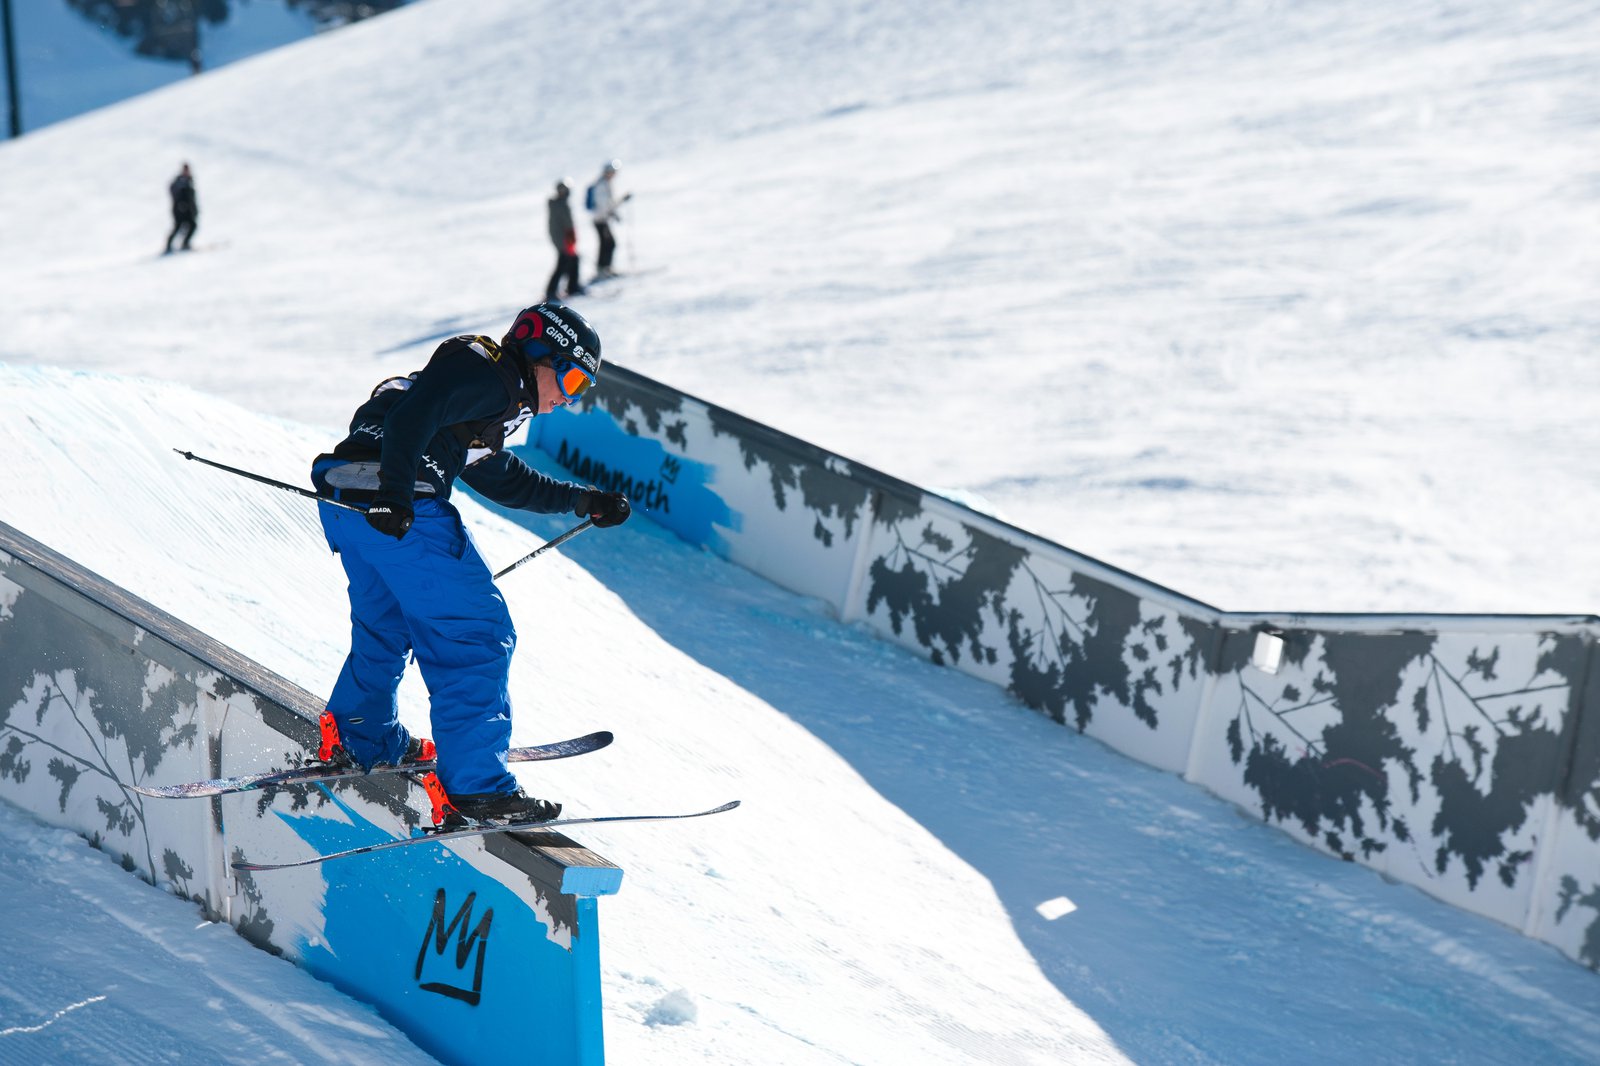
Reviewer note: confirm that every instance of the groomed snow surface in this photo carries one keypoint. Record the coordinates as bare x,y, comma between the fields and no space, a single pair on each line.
1285,306
875,900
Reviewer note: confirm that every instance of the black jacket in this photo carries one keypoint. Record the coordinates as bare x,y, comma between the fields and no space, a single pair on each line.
560,222
447,421
183,201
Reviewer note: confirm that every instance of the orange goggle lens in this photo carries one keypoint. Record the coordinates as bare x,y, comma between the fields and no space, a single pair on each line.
573,380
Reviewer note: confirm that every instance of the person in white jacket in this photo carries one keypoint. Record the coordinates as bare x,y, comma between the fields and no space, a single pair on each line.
602,201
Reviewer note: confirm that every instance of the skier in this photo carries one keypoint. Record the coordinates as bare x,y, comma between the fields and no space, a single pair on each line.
417,582
564,235
601,200
185,209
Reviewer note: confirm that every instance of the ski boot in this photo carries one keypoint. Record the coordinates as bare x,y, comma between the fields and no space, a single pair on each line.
331,751
457,812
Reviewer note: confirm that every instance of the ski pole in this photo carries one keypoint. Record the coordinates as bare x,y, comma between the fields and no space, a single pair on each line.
531,556
268,481
633,243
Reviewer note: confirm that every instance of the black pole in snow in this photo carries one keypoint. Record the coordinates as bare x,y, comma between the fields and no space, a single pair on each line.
12,94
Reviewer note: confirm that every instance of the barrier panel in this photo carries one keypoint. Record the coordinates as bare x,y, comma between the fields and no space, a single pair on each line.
1458,754
466,947
1433,750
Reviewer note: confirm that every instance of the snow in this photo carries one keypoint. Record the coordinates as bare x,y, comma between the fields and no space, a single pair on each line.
1284,306
1348,243
99,967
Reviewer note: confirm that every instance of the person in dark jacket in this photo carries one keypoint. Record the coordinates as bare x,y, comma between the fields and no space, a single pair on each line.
417,583
185,209
564,235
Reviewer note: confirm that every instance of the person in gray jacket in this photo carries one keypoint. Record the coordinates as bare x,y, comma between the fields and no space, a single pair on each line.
603,204
564,235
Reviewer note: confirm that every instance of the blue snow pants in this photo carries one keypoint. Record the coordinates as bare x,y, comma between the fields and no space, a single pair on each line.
429,592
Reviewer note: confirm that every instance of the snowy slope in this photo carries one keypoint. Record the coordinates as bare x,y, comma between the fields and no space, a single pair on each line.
809,892
99,967
874,900
1284,306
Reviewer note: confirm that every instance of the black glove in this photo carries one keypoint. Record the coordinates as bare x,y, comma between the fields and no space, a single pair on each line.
390,517
604,508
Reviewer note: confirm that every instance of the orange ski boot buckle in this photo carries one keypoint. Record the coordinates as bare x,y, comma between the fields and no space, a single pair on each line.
442,807
330,737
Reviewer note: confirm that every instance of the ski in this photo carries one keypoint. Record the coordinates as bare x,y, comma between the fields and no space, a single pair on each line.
483,829
319,773
616,275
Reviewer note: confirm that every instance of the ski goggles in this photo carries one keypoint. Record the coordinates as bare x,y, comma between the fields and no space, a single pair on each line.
571,378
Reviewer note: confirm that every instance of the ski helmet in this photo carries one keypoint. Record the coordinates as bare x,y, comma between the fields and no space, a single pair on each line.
611,166
555,331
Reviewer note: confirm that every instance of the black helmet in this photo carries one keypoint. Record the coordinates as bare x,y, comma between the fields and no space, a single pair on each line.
552,330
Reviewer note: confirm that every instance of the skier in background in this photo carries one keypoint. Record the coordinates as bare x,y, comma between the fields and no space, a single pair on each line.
185,209
601,200
564,235
417,583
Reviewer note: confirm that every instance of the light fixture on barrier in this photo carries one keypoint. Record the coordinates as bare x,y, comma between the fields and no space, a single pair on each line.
1268,653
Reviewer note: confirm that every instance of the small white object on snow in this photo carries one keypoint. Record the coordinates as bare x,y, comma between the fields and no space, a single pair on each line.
1051,909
